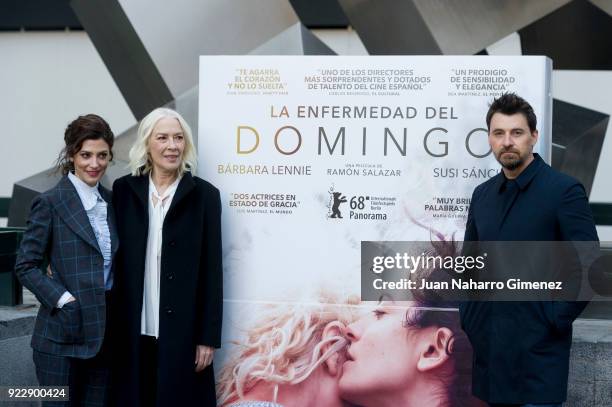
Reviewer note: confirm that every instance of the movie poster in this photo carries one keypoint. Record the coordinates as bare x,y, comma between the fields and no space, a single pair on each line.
314,155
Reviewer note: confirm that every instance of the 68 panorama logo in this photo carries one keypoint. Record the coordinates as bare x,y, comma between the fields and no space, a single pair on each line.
361,207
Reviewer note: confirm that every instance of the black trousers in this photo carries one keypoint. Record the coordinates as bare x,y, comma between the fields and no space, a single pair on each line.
88,380
148,371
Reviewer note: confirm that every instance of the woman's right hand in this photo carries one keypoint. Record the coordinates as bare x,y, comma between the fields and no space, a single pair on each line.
71,320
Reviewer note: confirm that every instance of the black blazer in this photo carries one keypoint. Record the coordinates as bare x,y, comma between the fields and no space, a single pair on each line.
521,349
191,290
58,230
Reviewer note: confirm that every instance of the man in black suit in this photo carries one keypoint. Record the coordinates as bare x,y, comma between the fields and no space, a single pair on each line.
521,349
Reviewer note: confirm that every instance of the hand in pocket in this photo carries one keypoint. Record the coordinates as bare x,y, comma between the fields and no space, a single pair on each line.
72,325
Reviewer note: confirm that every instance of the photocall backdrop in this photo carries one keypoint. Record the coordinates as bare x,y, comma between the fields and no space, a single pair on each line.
315,154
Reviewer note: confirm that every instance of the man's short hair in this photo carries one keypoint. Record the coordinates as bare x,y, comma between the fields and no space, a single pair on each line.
509,104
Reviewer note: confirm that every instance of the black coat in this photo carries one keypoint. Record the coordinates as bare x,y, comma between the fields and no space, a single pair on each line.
522,349
190,289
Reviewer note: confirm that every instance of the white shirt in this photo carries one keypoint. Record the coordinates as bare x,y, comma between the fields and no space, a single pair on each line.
96,209
149,321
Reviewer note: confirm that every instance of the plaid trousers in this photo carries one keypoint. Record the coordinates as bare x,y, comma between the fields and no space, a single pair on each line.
87,379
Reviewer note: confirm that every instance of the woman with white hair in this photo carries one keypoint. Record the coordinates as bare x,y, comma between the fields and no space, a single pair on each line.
169,276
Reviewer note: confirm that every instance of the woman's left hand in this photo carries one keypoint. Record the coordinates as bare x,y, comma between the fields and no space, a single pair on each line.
204,357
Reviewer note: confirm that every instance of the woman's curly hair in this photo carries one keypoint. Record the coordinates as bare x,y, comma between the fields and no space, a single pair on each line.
283,347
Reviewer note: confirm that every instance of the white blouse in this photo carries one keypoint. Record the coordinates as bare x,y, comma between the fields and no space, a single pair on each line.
149,321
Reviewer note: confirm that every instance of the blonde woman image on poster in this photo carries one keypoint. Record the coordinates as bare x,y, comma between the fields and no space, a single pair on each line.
410,353
395,354
292,356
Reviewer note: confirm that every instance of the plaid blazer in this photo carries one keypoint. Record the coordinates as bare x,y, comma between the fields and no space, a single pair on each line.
58,231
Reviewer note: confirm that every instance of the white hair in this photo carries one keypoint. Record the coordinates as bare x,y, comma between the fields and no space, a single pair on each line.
140,163
284,347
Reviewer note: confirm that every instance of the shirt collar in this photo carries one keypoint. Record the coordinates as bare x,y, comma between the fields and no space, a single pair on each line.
89,195
524,177
169,191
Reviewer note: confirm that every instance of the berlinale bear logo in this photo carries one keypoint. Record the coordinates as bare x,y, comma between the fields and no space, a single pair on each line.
338,199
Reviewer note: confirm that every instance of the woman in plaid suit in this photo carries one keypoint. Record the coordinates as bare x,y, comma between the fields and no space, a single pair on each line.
71,227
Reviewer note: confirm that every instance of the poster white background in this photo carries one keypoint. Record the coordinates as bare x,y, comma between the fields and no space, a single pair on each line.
291,252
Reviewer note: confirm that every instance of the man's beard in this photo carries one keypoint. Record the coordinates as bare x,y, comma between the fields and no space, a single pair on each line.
510,164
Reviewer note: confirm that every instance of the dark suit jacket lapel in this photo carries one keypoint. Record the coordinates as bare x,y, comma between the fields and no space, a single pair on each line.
110,219
185,186
140,186
70,208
